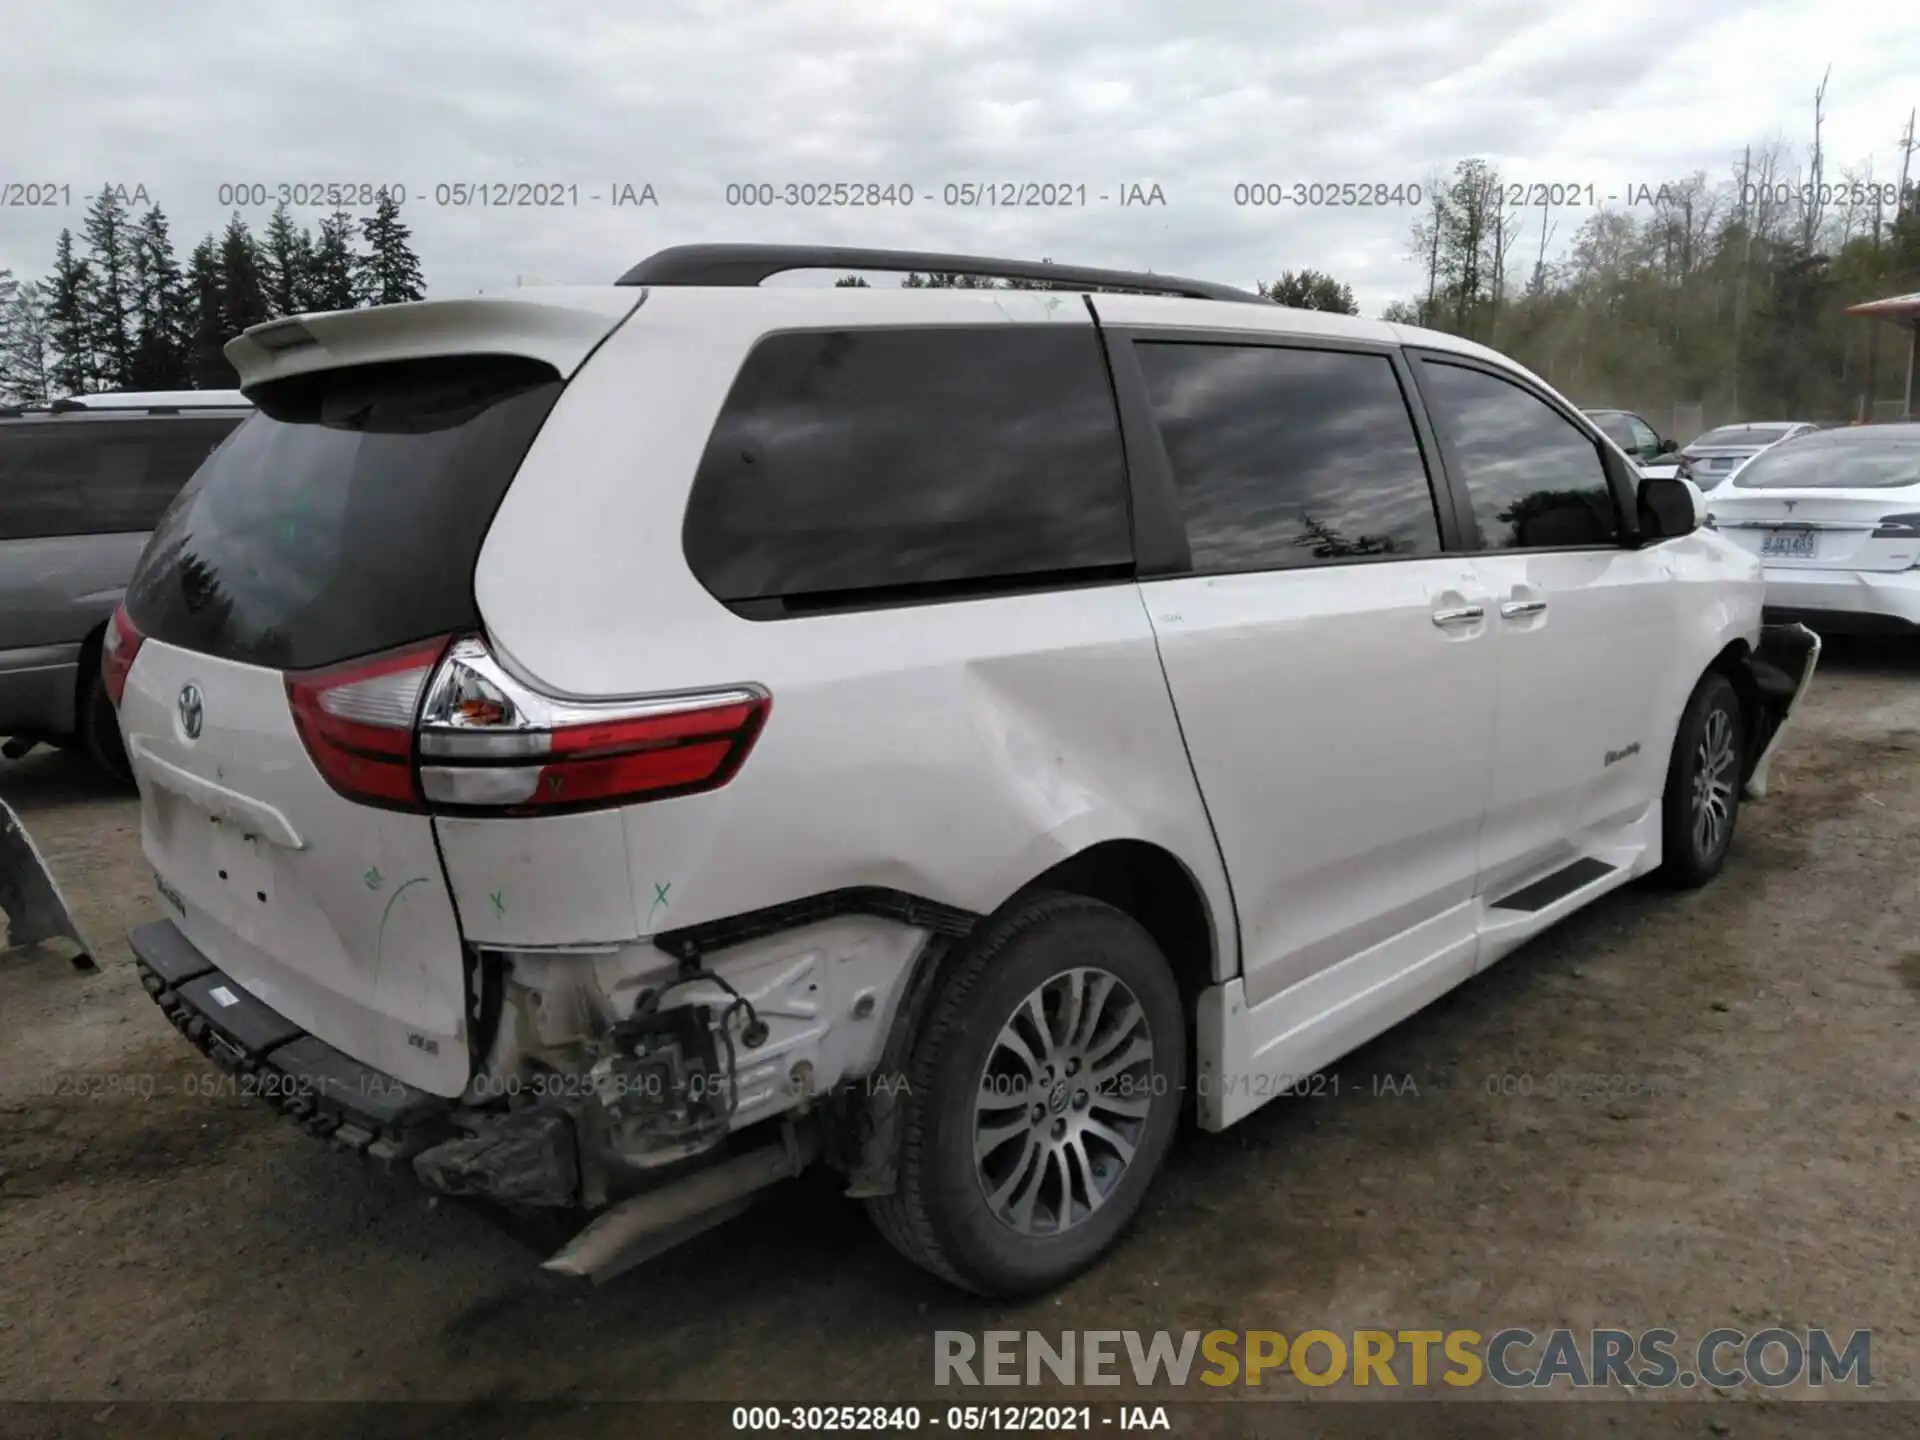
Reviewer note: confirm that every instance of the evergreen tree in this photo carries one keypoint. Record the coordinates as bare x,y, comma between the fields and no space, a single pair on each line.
331,275
851,282
1310,290
111,259
25,352
9,291
283,265
207,366
243,298
389,272
69,320
162,310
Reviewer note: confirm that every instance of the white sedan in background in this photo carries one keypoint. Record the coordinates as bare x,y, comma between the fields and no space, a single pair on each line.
1835,520
1714,456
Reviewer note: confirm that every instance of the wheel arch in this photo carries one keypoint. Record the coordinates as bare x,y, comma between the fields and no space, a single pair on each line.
1154,887
1735,661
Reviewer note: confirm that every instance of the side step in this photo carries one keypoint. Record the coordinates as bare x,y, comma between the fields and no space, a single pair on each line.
647,1225
1561,883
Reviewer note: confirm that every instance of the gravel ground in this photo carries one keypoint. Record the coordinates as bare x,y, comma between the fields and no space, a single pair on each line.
158,1243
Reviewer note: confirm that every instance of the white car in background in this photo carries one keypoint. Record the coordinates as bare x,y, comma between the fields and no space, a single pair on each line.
1835,519
1714,456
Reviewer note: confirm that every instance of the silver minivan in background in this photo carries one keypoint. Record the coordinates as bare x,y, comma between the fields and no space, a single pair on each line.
82,482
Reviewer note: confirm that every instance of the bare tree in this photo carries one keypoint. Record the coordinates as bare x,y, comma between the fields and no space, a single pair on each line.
1813,206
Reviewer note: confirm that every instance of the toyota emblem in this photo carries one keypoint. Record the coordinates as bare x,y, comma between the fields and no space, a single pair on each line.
191,710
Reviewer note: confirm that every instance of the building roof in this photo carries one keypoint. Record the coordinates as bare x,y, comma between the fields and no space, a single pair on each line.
1901,309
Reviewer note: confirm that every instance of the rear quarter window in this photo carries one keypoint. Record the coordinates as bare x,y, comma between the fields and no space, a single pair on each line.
862,466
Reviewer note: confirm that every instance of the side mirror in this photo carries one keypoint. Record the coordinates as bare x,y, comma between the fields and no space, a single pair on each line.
1670,507
1669,445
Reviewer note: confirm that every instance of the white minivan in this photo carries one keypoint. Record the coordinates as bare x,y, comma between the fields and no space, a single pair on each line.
609,748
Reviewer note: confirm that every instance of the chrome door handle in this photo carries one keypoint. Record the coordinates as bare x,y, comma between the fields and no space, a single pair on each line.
1460,615
1514,609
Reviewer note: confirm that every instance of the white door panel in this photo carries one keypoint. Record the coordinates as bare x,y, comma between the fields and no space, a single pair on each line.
1340,722
1577,752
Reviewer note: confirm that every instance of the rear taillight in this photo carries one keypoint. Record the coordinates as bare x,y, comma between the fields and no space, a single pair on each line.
488,742
1898,527
443,726
356,720
117,648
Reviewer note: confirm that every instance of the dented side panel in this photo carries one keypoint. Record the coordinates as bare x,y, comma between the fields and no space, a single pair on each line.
953,750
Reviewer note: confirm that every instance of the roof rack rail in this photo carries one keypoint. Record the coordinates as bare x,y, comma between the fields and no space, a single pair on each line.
748,265
134,402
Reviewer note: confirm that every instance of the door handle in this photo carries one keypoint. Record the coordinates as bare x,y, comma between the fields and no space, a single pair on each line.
1460,615
1515,609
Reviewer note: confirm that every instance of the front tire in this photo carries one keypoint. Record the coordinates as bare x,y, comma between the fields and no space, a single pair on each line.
1042,1097
1702,801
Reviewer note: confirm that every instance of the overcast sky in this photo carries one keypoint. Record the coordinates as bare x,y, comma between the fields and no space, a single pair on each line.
1195,96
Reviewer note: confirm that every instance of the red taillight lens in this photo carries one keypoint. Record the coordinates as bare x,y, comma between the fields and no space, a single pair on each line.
117,648
490,744
356,720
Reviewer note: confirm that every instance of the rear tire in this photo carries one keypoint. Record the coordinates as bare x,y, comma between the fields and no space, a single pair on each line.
1042,1097
1701,805
99,731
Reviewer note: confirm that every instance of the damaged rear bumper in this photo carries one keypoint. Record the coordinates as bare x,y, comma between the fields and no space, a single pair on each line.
328,1093
30,898
527,1159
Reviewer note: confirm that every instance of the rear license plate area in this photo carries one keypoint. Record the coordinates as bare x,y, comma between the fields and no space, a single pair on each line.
1791,544
240,864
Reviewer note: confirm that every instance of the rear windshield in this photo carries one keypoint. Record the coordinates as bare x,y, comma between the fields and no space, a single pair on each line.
1732,435
73,475
346,516
1862,462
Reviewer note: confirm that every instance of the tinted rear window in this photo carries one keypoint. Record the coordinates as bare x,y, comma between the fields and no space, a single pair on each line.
1855,461
850,466
346,516
71,476
1733,435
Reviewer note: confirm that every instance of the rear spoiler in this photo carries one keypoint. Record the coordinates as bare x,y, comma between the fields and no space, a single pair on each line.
560,325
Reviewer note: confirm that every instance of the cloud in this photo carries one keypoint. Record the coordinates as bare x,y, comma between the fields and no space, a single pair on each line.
691,97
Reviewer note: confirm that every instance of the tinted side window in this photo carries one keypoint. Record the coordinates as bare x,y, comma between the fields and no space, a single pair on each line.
93,477
1618,429
1288,457
852,461
1535,479
143,464
1643,436
40,482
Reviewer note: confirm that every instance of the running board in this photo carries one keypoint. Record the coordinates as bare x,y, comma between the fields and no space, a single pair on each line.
1557,886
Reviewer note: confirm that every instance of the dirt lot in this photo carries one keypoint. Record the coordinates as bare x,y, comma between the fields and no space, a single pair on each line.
157,1244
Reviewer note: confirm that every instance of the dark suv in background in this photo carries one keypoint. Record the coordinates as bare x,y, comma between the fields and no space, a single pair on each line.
82,482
